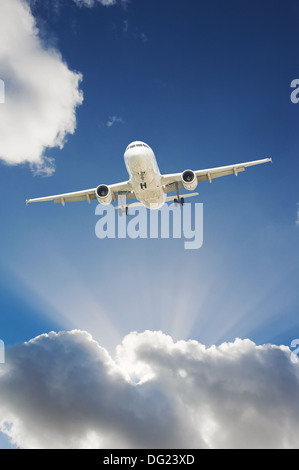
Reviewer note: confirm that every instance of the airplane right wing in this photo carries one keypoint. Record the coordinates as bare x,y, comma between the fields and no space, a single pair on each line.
173,181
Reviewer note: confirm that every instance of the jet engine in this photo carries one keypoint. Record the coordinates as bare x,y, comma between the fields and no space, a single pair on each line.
103,194
189,180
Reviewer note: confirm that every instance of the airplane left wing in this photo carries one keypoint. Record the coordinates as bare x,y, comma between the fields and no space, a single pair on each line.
117,189
173,181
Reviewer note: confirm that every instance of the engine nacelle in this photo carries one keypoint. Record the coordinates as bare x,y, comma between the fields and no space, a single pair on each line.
189,180
103,194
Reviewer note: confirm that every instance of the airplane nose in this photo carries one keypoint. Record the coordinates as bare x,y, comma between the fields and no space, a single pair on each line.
135,153
136,156
133,156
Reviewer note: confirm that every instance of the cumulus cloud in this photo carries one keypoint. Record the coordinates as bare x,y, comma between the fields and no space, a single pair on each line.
63,390
41,92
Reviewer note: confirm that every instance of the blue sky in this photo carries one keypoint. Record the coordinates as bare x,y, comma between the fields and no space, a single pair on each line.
204,84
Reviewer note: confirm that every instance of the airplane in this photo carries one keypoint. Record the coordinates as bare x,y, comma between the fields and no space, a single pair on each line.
146,184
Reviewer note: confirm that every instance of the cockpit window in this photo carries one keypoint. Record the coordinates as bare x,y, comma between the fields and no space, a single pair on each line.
137,145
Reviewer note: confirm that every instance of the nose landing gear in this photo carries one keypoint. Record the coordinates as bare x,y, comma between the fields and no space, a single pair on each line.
121,211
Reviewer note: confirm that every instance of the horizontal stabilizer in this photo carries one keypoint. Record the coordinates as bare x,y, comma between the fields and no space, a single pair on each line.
169,198
134,204
172,198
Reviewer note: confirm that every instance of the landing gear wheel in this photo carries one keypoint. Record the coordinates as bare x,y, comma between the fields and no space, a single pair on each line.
127,211
175,202
182,201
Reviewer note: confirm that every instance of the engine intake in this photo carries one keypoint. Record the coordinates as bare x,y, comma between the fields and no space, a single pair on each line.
189,180
103,194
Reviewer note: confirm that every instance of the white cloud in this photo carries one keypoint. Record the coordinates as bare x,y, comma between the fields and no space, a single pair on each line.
144,37
64,390
113,119
125,26
106,3
297,220
45,167
91,3
42,93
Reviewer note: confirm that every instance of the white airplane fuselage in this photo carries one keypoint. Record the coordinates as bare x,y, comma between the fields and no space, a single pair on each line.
145,176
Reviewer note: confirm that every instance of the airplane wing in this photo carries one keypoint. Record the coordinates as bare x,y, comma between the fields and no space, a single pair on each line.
173,181
117,189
